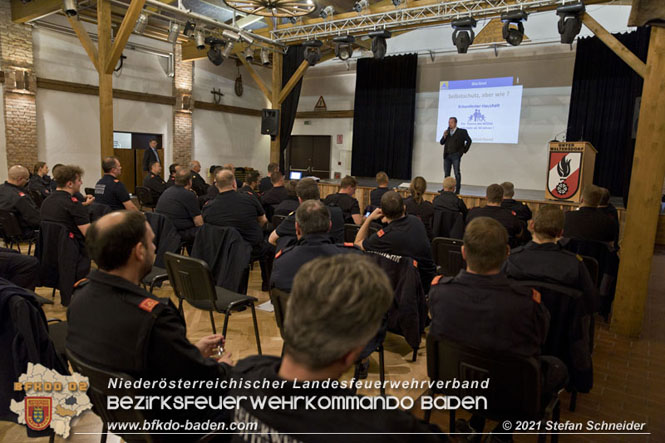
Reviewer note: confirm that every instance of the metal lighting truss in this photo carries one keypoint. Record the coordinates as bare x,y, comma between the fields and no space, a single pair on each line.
404,17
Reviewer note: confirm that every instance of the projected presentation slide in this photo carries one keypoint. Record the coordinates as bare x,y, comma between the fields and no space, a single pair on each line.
489,109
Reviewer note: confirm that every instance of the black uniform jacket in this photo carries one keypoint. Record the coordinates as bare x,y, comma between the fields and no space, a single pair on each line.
521,209
17,200
459,142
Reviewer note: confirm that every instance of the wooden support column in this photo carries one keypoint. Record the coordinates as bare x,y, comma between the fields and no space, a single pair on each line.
105,80
252,73
276,104
644,196
293,81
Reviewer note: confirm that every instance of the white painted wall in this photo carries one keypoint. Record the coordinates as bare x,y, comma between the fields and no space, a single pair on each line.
3,144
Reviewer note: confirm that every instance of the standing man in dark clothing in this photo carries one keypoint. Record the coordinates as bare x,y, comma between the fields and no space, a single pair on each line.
243,212
405,235
482,308
376,194
312,229
266,184
173,168
14,198
522,211
250,184
150,156
180,205
290,203
277,193
589,222
155,182
63,207
199,185
345,200
285,234
456,142
545,260
116,324
447,200
335,308
109,190
40,181
493,209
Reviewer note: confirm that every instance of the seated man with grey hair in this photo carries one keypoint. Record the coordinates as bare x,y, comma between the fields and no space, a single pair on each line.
335,308
447,200
313,232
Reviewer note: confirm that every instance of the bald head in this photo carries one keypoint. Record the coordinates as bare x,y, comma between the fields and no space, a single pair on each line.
225,180
182,177
195,166
18,175
112,239
230,167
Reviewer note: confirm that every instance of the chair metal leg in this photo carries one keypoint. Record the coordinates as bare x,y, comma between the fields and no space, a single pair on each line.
18,245
428,412
227,314
256,329
29,247
557,417
451,421
180,307
104,432
212,322
382,371
573,401
53,295
415,355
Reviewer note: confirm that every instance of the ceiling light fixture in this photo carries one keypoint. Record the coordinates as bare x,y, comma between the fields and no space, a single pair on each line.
141,23
174,31
513,35
570,21
379,45
326,12
344,46
463,35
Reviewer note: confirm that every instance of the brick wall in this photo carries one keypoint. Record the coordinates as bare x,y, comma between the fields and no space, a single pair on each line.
20,110
182,121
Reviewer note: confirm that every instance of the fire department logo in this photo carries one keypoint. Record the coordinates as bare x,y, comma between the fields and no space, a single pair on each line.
563,176
38,412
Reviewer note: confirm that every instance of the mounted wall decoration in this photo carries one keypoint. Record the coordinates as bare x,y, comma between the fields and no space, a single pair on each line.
217,95
238,84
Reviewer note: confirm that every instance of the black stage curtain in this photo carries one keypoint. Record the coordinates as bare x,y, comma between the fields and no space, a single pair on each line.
602,105
292,59
383,117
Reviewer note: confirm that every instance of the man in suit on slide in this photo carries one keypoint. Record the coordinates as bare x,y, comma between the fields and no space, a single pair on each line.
456,142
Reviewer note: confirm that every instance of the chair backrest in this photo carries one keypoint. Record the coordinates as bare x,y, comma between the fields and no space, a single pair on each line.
277,219
603,253
591,266
36,197
10,224
279,299
350,231
449,224
98,379
190,278
89,191
98,210
447,253
144,195
166,238
514,389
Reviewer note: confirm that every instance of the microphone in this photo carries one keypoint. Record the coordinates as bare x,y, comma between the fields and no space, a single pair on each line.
556,137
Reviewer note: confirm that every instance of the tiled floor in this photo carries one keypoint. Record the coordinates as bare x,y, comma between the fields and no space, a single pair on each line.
629,374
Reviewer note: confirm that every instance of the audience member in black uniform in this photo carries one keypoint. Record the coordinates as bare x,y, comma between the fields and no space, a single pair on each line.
290,203
52,185
522,211
482,308
155,182
312,229
266,184
405,235
20,269
376,194
250,184
419,207
14,198
608,208
589,222
109,190
447,200
335,308
243,212
493,209
212,190
232,168
116,324
277,194
40,181
545,260
63,207
150,156
345,200
173,168
456,142
86,200
180,205
285,234
199,185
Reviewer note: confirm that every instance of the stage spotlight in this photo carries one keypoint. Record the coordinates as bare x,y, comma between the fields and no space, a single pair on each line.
215,54
249,54
200,40
189,29
174,30
228,49
70,7
379,45
141,23
312,51
344,46
513,35
463,35
570,21
360,5
396,3
326,12
231,35
293,20
246,38
265,57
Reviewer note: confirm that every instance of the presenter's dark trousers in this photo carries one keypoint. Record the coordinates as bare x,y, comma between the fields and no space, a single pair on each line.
453,160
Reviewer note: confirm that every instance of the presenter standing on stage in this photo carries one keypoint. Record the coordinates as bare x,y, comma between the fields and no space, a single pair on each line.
456,142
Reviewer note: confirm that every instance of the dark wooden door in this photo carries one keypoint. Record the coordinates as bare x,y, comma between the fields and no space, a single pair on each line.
309,154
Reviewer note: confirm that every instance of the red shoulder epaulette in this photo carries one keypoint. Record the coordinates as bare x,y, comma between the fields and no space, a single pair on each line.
21,194
349,244
436,279
148,304
380,233
81,282
74,199
535,295
514,213
116,180
279,253
415,263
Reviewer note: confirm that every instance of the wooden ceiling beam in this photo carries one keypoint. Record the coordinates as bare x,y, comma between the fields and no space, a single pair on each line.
256,77
293,81
126,28
86,41
24,12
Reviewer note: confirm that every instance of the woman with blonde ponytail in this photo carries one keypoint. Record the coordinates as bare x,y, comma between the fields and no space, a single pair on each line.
416,205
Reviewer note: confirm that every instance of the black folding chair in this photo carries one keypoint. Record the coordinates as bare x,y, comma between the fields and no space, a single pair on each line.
277,219
192,281
98,379
447,254
36,197
13,234
97,211
145,198
449,224
350,232
514,391
89,191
